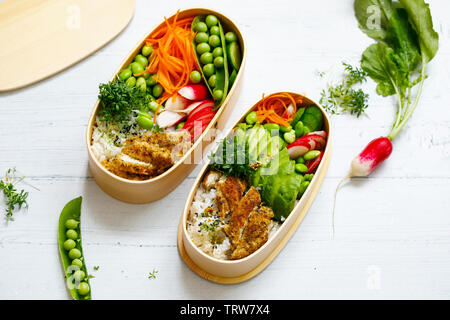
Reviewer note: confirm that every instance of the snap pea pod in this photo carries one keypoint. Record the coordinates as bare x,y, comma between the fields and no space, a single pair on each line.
71,251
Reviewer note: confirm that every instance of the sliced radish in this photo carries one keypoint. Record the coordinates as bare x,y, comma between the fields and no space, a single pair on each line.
194,92
314,163
205,104
310,141
176,103
169,118
192,106
289,112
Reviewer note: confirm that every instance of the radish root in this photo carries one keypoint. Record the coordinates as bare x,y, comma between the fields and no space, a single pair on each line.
335,194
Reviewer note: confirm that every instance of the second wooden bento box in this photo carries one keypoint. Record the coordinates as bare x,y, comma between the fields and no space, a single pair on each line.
157,187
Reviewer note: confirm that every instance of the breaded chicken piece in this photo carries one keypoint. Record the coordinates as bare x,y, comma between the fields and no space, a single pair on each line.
255,234
229,193
210,180
239,217
150,153
125,169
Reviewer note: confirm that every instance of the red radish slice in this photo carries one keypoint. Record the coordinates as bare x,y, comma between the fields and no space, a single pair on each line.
310,141
289,112
168,118
205,104
192,106
194,92
176,103
314,163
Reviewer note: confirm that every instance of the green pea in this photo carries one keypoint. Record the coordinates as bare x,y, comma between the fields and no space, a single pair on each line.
230,37
299,129
77,262
301,168
201,37
141,84
146,75
303,187
83,288
206,58
311,154
71,224
131,82
272,126
208,69
309,177
217,95
202,48
141,60
157,90
74,253
195,77
151,81
124,74
147,50
211,20
144,122
251,118
180,126
285,129
242,126
69,244
218,62
217,52
289,137
300,160
214,41
136,68
212,81
201,27
79,275
71,234
214,30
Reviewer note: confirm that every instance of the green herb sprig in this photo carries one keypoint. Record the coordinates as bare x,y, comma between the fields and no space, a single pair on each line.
15,199
341,98
152,275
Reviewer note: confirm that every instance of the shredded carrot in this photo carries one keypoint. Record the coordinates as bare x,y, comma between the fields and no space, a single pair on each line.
274,108
173,57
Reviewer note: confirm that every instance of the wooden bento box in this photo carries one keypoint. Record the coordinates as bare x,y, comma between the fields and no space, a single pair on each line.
155,188
234,271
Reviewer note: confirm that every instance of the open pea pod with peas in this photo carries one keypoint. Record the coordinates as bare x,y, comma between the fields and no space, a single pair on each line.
71,251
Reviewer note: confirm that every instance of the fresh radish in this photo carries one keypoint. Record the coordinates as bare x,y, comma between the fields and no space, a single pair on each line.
372,156
177,103
289,112
314,163
206,104
194,92
311,141
169,118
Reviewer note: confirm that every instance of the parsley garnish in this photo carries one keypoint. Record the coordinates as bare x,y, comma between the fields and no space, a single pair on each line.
152,275
14,200
342,97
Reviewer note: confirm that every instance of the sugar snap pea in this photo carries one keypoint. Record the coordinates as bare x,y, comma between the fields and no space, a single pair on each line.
71,252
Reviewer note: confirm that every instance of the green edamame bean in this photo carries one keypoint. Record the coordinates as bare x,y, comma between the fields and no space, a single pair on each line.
180,126
217,52
136,68
153,105
303,186
208,69
301,168
69,244
144,122
201,37
157,90
300,160
212,81
74,253
124,74
217,94
289,137
201,27
202,48
214,30
151,81
214,41
218,62
206,58
71,234
147,50
299,129
131,82
71,224
141,83
285,129
211,20
272,127
77,262
230,37
251,118
242,126
306,130
79,275
195,77
83,288
311,154
141,60
309,177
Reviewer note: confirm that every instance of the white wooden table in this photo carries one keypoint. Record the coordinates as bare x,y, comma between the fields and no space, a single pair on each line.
392,230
